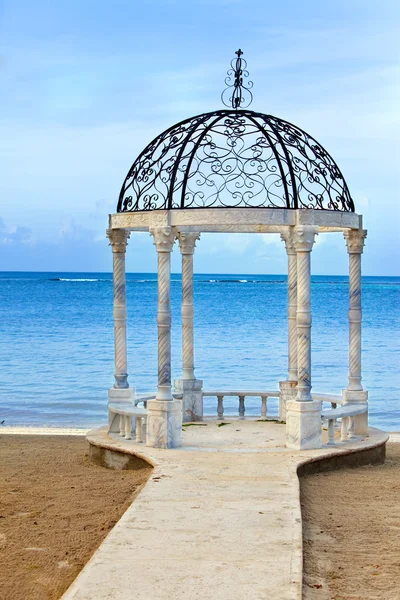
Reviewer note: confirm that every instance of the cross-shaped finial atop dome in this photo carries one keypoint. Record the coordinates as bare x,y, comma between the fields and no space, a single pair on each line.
241,96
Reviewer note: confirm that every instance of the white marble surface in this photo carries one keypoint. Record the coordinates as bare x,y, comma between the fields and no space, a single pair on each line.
221,523
164,424
303,425
357,397
235,219
121,394
288,392
192,399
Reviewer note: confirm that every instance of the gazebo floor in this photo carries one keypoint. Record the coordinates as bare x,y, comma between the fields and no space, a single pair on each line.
208,524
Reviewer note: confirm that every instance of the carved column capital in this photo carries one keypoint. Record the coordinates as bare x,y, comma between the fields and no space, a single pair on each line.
164,238
187,241
355,239
304,238
118,239
288,237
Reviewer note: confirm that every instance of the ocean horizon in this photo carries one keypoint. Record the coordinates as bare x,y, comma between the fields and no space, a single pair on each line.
58,356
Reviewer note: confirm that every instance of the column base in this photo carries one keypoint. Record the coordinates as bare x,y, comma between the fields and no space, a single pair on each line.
288,393
121,394
192,399
358,397
303,425
164,424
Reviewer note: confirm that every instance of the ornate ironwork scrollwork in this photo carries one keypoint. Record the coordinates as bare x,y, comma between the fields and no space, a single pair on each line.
234,158
240,96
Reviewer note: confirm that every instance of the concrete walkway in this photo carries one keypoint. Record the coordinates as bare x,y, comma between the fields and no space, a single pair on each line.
218,519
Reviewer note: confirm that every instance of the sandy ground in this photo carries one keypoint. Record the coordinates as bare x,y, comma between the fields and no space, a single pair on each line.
351,527
55,509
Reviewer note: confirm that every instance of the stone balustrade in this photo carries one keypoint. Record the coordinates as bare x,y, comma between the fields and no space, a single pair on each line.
132,417
333,399
241,395
347,414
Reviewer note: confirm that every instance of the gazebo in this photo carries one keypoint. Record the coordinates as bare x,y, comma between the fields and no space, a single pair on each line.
235,170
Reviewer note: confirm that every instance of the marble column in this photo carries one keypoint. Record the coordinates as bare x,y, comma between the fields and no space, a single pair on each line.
303,415
288,238
355,393
288,388
164,419
121,391
188,386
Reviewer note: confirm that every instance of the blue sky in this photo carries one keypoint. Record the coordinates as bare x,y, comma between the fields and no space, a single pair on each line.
86,85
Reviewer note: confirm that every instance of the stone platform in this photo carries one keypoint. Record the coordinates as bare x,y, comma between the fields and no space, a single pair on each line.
219,517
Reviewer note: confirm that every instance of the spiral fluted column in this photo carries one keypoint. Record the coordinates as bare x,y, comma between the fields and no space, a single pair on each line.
188,385
164,414
164,238
288,388
288,238
355,393
118,242
355,244
187,243
303,415
304,239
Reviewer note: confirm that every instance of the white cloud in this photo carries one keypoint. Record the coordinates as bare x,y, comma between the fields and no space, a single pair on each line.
14,234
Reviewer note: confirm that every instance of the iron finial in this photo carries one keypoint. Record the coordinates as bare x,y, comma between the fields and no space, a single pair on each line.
241,96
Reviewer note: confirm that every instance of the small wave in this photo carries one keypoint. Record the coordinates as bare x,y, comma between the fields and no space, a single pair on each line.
224,281
141,280
270,281
79,280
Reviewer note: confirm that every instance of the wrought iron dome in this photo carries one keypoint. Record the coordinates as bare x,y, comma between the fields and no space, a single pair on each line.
234,158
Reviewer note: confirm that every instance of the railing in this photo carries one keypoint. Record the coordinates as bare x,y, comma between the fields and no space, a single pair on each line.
131,417
338,410
144,398
125,412
333,399
241,395
346,413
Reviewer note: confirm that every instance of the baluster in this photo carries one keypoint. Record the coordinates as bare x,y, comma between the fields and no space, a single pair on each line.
128,427
139,431
241,407
344,432
122,425
220,408
334,405
352,423
331,432
264,406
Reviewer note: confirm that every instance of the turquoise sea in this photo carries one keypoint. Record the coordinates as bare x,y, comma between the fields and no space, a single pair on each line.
56,350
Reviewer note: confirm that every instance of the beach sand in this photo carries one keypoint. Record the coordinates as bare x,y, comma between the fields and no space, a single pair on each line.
55,509
351,527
